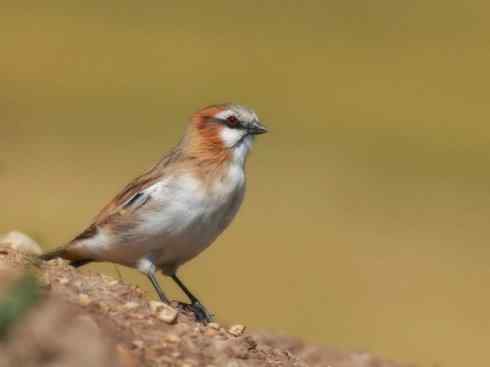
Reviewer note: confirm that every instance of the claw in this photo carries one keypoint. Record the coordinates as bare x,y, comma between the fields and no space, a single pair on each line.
201,314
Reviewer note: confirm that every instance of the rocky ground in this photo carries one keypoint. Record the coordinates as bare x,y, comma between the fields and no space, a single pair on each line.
63,317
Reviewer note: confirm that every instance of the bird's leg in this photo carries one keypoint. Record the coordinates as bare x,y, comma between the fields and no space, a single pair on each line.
148,268
154,282
202,315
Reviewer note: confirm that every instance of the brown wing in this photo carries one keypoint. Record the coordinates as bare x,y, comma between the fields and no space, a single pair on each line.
131,196
124,200
116,207
129,199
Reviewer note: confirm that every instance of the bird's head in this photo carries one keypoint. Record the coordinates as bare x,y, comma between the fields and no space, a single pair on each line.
226,129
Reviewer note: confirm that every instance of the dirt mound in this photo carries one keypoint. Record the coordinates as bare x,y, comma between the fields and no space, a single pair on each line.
84,318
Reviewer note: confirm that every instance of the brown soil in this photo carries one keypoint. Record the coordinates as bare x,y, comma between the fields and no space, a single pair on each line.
89,319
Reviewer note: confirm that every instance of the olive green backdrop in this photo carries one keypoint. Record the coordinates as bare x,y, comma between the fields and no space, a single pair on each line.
365,224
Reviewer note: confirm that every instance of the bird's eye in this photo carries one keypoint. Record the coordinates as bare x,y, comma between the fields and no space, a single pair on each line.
232,121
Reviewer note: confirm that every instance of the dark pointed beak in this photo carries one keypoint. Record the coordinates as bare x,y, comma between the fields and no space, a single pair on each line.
256,128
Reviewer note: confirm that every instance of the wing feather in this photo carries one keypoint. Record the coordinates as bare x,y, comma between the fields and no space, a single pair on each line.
135,194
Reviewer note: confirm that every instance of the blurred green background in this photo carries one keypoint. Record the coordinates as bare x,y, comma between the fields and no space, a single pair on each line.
365,225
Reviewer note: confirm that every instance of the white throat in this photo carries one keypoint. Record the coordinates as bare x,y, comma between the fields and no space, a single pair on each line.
239,142
240,152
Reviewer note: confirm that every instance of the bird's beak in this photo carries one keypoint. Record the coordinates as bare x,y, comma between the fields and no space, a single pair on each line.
256,128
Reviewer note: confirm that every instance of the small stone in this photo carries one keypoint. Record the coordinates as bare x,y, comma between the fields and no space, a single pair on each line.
84,299
172,338
104,307
63,281
137,316
236,330
156,306
214,325
211,332
138,344
168,314
20,242
113,283
130,305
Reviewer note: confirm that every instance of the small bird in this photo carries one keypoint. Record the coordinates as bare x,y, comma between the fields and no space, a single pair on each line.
175,210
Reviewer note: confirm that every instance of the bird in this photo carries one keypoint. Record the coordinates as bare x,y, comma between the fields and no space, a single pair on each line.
176,209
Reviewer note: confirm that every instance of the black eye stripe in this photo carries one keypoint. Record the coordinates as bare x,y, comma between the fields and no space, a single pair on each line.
230,121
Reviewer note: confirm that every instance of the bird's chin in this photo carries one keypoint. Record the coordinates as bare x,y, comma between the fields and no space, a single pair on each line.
245,140
242,147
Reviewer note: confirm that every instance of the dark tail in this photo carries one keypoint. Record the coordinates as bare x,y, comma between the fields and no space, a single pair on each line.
62,252
53,254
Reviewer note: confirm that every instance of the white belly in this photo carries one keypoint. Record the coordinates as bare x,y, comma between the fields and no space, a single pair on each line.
187,217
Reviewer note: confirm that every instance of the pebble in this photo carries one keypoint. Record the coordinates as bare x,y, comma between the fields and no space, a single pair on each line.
236,330
84,299
130,305
138,344
168,314
63,281
172,338
211,332
214,325
164,312
156,305
20,242
104,307
137,316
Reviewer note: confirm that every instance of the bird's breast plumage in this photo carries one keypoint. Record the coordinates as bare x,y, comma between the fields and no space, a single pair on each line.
186,213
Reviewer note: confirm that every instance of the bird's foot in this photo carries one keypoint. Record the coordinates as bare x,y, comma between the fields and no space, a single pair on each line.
200,312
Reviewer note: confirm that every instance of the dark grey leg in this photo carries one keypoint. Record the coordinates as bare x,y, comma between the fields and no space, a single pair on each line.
155,284
146,266
202,315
